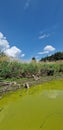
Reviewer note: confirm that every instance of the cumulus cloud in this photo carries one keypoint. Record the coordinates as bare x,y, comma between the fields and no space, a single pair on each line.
4,44
27,4
42,36
47,49
9,51
13,52
43,52
1,35
22,55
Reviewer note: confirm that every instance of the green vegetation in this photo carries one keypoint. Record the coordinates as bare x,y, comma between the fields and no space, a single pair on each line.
26,70
26,108
15,75
55,57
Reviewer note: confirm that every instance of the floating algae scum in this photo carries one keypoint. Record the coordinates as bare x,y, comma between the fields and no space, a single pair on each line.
39,108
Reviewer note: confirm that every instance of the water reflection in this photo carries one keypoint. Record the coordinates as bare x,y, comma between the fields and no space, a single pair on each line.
33,109
53,94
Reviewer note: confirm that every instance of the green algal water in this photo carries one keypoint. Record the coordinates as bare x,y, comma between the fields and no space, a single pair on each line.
39,108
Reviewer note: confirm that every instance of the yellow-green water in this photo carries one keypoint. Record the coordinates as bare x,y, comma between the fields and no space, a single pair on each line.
39,108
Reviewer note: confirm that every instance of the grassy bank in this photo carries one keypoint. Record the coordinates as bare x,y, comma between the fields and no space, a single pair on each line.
27,70
14,74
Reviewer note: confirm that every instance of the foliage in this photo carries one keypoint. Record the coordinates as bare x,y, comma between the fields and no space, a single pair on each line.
33,59
55,57
16,69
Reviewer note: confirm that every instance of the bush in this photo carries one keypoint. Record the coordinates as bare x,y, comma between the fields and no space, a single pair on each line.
26,70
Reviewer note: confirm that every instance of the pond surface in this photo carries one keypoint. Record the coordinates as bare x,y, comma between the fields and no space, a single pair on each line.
39,108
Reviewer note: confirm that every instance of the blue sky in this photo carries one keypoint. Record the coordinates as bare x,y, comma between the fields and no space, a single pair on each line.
31,28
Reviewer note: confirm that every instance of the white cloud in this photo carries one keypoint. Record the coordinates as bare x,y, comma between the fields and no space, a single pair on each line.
13,52
9,51
1,35
4,44
47,49
43,36
27,4
22,55
43,52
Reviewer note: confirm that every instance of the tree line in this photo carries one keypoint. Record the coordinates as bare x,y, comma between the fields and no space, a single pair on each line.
55,57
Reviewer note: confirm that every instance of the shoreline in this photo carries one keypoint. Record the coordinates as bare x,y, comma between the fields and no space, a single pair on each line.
7,86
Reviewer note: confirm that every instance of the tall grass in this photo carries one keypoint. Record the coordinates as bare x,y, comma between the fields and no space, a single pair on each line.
26,70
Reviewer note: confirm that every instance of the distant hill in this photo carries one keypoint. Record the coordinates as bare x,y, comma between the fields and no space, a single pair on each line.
55,57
